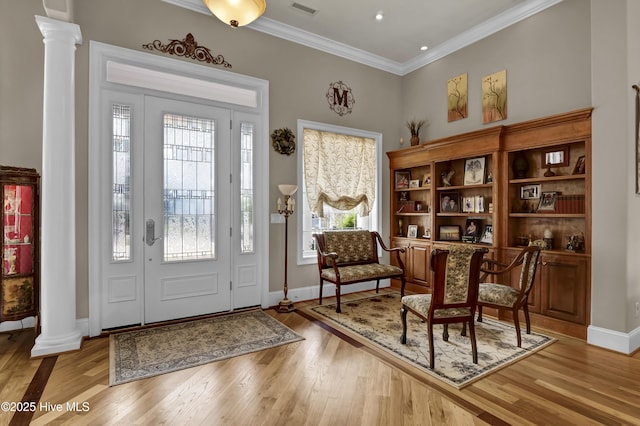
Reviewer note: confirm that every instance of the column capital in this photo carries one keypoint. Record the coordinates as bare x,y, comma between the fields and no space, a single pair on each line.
52,27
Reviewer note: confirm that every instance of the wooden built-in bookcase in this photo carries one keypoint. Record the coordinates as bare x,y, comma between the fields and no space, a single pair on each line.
503,189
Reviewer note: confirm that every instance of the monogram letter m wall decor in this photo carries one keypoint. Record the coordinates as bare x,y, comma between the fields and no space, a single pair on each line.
340,98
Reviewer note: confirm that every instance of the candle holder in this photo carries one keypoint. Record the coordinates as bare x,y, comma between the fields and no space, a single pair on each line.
285,304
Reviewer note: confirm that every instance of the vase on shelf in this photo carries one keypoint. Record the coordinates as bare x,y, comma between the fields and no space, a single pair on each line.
520,165
415,140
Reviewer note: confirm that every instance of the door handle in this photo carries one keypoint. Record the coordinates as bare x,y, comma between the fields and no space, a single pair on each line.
150,234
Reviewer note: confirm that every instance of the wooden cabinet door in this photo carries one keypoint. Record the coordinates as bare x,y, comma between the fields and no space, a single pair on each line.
420,256
563,289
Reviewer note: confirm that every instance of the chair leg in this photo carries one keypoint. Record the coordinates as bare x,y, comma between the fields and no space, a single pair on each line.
474,347
431,350
377,286
445,333
403,316
525,309
464,329
516,323
321,283
404,282
479,313
338,310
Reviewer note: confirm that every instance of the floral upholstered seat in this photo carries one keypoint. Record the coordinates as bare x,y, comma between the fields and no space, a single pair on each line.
456,274
503,296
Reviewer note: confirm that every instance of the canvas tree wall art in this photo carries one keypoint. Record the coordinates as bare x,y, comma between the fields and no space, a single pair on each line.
457,98
494,97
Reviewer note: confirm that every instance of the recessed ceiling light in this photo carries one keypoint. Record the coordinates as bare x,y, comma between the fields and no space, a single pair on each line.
423,48
379,16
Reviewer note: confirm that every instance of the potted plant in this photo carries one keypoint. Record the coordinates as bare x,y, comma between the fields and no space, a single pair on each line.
414,127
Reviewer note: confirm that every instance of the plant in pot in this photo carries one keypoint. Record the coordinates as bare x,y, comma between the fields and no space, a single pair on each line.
414,127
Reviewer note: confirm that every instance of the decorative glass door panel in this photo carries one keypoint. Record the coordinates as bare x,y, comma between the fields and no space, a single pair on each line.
189,188
246,187
121,186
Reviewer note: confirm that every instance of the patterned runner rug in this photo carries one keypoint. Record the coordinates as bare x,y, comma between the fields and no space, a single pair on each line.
375,321
153,351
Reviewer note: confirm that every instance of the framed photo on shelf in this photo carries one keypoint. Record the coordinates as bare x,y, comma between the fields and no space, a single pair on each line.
449,232
414,183
548,201
426,180
402,179
412,231
487,235
468,204
479,204
449,202
579,168
556,157
472,231
474,171
530,192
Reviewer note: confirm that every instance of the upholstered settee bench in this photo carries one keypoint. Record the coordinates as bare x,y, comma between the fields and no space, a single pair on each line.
349,257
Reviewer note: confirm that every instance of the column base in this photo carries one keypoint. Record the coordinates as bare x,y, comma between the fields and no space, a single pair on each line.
56,344
285,305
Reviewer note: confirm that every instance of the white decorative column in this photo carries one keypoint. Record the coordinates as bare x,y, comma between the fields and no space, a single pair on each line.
59,332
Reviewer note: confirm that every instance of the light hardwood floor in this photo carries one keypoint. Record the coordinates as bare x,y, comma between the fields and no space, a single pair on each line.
324,380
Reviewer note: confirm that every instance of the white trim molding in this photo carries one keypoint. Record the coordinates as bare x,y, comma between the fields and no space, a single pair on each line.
329,290
626,343
287,32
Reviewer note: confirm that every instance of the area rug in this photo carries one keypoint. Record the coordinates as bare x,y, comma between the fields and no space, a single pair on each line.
153,351
376,321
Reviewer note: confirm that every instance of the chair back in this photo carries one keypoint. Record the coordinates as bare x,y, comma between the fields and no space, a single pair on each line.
352,247
456,276
530,257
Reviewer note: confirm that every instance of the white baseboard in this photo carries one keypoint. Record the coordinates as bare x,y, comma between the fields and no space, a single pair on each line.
28,322
82,324
625,343
329,290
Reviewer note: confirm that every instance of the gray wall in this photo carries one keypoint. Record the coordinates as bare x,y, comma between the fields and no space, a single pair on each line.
547,59
556,61
298,77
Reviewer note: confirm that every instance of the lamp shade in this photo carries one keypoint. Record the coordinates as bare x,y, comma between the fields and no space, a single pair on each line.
236,12
288,189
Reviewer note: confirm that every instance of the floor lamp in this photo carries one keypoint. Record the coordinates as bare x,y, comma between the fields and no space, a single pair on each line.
286,305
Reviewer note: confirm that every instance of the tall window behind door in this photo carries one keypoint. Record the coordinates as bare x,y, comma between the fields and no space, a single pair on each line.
338,175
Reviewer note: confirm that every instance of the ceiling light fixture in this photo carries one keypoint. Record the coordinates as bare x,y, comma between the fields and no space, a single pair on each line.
379,16
423,48
236,13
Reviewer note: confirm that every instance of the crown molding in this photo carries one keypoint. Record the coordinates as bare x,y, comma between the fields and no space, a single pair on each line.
479,32
314,41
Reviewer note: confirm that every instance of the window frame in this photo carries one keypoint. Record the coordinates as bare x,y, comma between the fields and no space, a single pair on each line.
375,218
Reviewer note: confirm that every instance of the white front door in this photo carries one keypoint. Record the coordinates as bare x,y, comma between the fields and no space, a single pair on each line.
182,237
178,186
187,209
